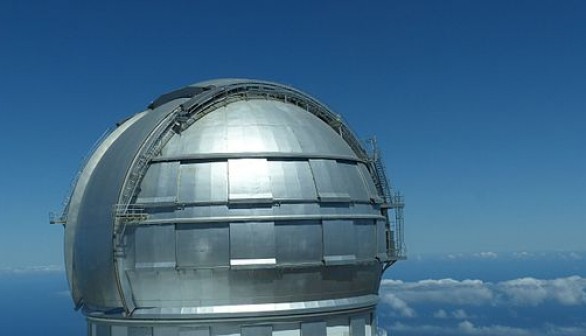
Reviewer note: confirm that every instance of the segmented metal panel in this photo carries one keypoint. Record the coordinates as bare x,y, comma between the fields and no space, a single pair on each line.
166,331
159,184
203,245
118,330
369,183
291,180
257,331
140,331
339,241
299,242
154,246
330,186
351,180
365,239
358,326
100,330
203,182
313,329
381,240
252,243
194,332
249,181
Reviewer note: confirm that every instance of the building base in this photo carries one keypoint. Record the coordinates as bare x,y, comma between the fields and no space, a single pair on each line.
353,323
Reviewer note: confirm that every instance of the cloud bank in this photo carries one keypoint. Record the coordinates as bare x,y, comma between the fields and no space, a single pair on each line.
416,305
462,328
568,291
469,328
32,269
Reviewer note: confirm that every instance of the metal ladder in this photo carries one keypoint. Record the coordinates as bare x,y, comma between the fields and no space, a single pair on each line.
395,236
124,212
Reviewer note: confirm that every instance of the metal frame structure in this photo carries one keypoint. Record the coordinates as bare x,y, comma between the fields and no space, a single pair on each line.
175,113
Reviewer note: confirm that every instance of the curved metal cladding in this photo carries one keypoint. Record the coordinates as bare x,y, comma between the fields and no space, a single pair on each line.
229,207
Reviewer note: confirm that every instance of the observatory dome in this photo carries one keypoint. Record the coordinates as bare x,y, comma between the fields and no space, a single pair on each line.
230,207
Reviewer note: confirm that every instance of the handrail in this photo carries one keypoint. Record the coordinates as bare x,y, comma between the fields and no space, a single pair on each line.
61,217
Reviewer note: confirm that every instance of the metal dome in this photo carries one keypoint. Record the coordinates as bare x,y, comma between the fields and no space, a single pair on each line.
231,207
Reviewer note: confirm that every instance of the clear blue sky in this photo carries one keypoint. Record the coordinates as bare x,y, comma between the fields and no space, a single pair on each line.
478,105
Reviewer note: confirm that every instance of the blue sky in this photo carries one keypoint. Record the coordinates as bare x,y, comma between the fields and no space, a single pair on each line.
478,105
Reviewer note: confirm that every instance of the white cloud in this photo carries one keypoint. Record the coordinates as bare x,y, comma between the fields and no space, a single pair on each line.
32,269
420,329
484,255
522,255
467,328
381,332
398,305
462,328
450,307
565,330
460,314
487,255
568,291
575,256
456,256
447,291
524,291
391,282
440,314
569,256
